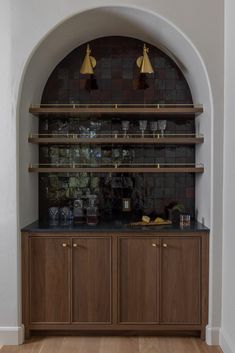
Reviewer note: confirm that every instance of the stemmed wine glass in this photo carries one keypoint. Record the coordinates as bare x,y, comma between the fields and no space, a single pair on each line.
153,127
54,215
162,126
142,126
125,127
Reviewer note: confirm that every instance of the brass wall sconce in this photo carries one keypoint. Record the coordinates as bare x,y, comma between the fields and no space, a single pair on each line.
87,68
143,62
89,63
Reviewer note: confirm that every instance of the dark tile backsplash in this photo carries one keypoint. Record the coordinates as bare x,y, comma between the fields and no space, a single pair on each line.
118,80
150,194
117,76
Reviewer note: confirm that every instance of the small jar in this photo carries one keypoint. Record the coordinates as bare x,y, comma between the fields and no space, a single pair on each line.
185,219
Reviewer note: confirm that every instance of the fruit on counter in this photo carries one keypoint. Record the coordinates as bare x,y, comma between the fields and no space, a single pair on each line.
159,220
146,219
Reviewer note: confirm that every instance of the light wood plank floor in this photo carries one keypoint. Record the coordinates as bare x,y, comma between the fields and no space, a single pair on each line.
112,345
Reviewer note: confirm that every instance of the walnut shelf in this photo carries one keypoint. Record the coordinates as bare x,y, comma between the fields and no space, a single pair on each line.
73,140
190,168
75,109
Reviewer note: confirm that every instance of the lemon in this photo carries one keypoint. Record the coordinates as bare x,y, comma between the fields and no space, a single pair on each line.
159,220
146,219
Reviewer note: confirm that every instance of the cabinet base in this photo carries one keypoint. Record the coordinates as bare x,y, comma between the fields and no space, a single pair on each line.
118,332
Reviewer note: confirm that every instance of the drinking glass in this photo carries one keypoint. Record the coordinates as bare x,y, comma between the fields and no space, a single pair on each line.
153,127
162,126
94,127
142,126
125,127
65,215
54,215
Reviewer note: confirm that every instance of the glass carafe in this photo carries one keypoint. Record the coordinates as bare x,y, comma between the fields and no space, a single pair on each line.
92,211
78,211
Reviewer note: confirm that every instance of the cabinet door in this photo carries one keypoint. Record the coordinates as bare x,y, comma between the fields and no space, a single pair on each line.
91,280
49,280
180,280
138,280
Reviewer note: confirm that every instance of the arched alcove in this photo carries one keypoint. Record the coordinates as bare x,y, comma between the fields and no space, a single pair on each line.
84,27
105,22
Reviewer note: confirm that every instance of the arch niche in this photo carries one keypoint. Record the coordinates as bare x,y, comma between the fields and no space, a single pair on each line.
101,22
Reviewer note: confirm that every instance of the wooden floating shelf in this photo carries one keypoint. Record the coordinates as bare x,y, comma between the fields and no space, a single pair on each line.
120,169
118,140
76,109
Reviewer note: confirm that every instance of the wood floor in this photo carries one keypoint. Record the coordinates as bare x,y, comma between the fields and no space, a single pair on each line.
112,345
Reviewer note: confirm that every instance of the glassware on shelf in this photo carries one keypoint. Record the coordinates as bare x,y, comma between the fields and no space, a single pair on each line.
92,211
142,126
53,215
162,126
63,127
84,132
65,215
116,156
78,211
53,154
75,151
94,127
125,127
64,155
153,127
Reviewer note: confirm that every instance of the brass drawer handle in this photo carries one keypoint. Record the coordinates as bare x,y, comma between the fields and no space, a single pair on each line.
154,245
64,245
75,245
164,245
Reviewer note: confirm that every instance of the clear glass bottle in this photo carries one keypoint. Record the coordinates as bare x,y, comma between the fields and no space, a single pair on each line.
78,211
92,211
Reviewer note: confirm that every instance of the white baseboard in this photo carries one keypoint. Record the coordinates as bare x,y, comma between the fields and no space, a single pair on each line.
225,343
213,336
11,335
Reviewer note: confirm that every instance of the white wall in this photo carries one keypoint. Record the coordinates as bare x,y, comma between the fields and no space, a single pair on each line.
9,276
34,25
228,296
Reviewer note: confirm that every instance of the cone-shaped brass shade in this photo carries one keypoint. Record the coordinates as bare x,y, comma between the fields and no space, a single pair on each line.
88,63
144,63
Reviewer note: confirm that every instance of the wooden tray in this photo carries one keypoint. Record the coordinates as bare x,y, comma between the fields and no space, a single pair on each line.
136,224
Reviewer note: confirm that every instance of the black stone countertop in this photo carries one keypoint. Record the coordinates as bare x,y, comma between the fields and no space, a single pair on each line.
115,226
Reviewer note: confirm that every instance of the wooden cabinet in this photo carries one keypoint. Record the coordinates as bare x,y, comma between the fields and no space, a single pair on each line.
107,282
180,280
138,280
160,280
91,280
49,280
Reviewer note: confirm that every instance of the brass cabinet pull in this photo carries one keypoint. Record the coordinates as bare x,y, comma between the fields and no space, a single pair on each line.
164,245
64,245
75,245
154,245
